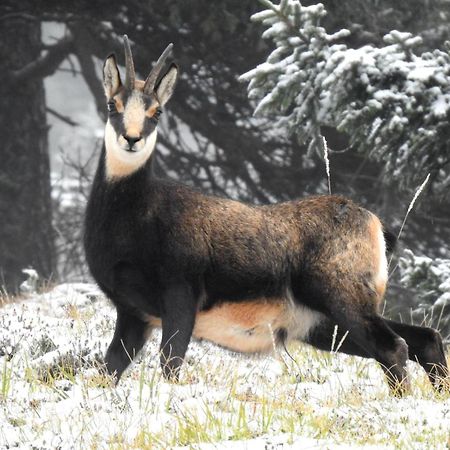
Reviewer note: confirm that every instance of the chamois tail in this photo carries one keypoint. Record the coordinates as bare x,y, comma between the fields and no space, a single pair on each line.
391,240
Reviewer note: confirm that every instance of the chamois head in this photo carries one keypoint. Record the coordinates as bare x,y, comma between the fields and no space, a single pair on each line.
133,111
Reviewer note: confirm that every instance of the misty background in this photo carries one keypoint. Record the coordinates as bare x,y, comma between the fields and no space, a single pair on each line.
53,110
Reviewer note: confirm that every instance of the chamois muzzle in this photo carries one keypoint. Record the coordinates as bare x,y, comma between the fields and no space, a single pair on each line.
131,141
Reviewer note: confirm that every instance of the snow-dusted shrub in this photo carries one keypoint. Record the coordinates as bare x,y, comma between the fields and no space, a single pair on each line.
393,103
430,280
69,203
70,190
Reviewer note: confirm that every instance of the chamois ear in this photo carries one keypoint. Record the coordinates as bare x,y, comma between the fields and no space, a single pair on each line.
166,85
111,77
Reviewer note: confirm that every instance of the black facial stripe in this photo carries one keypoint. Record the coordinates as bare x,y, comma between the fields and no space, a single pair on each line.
149,126
148,101
125,95
116,120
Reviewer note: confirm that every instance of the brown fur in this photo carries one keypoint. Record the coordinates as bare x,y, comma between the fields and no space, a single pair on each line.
231,227
119,103
245,327
150,112
251,326
242,276
336,238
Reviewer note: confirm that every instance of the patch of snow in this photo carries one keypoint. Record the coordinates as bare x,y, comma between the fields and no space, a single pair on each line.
441,106
51,394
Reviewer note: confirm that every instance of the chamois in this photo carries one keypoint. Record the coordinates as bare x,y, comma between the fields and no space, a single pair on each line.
236,274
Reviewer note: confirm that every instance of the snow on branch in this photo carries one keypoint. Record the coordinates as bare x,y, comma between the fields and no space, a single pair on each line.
393,103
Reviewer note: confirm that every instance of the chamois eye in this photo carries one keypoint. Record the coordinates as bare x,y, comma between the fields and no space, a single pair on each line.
111,107
155,116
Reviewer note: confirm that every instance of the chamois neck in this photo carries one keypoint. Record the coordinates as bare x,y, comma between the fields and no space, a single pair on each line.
120,163
138,178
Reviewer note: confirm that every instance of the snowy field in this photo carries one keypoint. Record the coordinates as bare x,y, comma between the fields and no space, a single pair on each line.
52,396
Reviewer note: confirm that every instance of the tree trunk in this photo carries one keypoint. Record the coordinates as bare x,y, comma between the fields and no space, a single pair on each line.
26,233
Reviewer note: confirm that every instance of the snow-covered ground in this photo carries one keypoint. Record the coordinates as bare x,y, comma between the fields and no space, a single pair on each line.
52,396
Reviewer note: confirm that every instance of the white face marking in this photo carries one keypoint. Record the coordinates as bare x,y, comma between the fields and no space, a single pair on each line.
119,161
134,115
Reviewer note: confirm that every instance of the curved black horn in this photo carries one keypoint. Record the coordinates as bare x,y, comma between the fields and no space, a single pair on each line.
151,79
130,75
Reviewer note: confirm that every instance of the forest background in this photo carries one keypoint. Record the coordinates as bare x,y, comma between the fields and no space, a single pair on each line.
53,111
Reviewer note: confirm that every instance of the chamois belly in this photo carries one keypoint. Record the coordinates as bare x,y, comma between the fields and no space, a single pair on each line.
252,326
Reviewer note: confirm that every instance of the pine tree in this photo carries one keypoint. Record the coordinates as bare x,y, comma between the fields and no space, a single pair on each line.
26,231
393,104
430,280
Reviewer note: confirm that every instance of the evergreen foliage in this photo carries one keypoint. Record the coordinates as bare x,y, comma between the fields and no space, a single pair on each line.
430,279
392,103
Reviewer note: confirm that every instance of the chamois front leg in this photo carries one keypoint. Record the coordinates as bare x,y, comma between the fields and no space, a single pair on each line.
390,350
129,337
178,317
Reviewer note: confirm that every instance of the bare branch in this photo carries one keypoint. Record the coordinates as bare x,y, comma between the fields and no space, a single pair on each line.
46,64
84,54
19,15
62,117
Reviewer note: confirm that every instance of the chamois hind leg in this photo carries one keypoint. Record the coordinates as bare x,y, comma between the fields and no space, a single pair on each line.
177,319
425,347
368,337
129,337
322,337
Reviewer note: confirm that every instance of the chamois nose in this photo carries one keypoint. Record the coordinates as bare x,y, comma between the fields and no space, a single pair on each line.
131,140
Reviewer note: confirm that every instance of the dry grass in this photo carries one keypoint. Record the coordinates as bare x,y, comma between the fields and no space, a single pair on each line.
52,394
